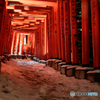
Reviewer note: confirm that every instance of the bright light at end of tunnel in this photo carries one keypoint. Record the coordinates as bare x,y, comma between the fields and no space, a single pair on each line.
37,22
10,7
32,24
26,8
16,10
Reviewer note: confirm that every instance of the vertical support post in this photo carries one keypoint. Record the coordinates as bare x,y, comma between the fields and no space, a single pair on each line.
15,41
74,38
33,43
85,32
22,43
67,32
18,43
58,28
95,33
13,34
62,30
51,32
55,31
42,41
11,40
40,49
2,13
49,44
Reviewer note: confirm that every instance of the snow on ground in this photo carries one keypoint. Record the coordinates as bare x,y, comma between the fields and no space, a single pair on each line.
29,80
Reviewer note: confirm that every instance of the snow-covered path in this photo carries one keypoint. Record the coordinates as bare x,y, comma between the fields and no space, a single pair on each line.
29,80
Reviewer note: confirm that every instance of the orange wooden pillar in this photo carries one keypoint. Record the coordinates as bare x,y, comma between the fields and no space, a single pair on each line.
31,40
43,44
7,33
16,45
11,40
13,37
85,32
2,7
18,48
36,43
74,38
42,41
15,41
10,37
95,33
67,32
47,41
58,28
8,46
33,43
48,32
40,50
51,35
28,39
22,48
62,30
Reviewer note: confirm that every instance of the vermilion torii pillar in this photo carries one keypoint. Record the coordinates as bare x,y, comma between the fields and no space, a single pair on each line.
59,33
56,30
42,41
48,34
39,45
62,30
13,35
18,48
47,41
15,41
36,43
51,36
33,42
85,32
67,32
22,43
10,41
2,3
74,38
95,33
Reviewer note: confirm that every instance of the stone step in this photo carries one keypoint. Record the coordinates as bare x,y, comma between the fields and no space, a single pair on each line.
43,61
59,65
49,62
53,62
70,71
35,58
63,69
2,59
94,76
7,56
81,72
56,64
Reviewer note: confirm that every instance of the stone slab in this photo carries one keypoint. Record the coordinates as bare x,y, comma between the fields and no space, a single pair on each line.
49,62
81,72
93,76
63,69
59,65
56,64
53,62
70,71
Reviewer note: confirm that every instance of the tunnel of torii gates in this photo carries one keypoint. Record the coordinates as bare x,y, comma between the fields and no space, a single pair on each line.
48,29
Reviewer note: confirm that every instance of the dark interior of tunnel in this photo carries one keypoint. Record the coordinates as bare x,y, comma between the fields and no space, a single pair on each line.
49,49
